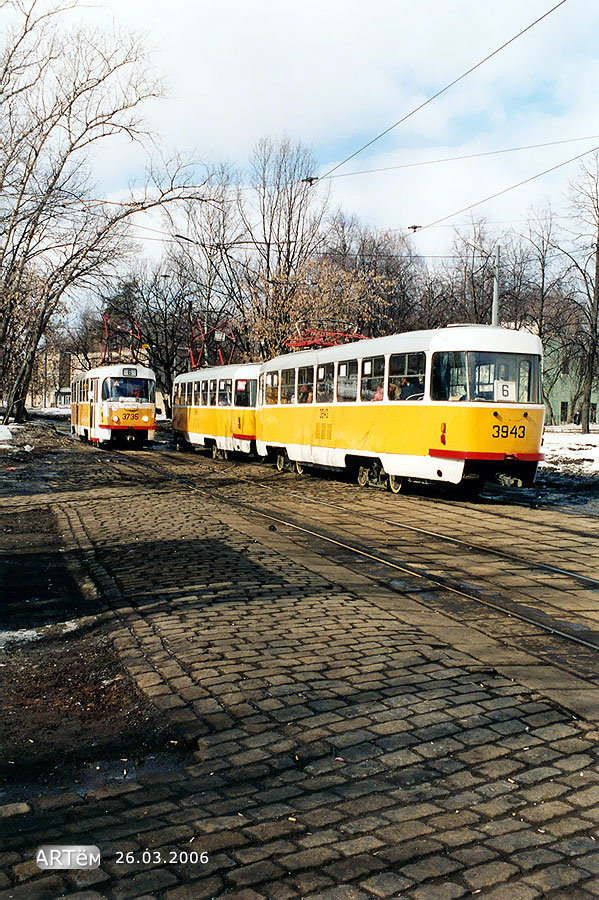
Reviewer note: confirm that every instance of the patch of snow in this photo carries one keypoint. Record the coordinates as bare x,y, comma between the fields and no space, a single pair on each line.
569,451
27,635
50,412
5,435
21,636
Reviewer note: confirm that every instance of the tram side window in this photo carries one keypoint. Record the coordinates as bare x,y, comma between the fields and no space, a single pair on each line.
324,383
406,376
224,392
245,392
288,386
373,378
212,392
196,393
305,384
204,393
347,381
448,376
272,388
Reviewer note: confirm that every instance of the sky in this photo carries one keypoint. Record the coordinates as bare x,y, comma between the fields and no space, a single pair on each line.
333,74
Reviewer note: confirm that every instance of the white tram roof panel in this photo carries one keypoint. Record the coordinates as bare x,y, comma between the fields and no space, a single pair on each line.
485,338
237,370
117,370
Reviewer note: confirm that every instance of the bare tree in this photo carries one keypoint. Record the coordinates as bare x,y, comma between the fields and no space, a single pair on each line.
64,92
583,255
284,218
468,277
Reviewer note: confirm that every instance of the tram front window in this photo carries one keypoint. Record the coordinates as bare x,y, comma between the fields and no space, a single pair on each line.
490,377
128,389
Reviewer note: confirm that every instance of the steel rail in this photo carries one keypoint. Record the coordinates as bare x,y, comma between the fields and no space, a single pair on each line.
514,557
359,551
469,545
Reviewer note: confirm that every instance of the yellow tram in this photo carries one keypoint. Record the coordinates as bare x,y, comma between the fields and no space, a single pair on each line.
460,404
114,404
215,408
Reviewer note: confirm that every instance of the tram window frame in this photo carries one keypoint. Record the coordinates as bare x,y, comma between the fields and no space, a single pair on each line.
261,382
508,377
196,393
225,392
305,384
204,392
245,398
372,379
347,378
411,369
272,388
288,381
441,386
325,382
212,391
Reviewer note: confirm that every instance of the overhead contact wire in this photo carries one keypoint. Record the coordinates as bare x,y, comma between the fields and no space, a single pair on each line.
442,91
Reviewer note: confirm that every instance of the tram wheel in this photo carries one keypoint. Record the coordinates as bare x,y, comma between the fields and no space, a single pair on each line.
281,460
363,476
215,452
300,468
394,484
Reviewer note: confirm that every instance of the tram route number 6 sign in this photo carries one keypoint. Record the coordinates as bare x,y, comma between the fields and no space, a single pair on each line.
504,390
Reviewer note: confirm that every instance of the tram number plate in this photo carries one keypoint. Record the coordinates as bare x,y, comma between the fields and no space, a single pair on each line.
504,431
130,415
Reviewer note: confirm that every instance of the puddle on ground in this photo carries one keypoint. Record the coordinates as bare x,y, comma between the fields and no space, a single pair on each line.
99,773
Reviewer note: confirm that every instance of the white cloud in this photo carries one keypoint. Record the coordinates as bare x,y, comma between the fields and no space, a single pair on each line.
334,73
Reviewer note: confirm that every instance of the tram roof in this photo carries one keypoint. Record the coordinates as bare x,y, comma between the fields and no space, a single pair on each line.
116,370
485,338
237,370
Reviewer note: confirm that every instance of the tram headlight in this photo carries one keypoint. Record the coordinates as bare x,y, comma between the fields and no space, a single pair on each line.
145,419
115,418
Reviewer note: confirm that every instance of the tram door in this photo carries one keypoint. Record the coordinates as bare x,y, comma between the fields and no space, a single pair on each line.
93,411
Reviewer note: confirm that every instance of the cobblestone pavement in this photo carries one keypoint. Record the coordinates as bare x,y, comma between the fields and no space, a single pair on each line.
344,746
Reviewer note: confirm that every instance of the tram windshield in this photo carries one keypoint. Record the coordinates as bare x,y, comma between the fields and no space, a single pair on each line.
128,389
490,377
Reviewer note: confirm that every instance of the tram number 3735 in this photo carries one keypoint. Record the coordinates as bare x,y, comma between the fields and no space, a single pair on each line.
503,431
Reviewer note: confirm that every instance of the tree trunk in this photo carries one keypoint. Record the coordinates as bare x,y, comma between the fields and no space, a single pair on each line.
589,376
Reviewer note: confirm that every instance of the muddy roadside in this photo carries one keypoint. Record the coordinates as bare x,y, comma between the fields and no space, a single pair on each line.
70,714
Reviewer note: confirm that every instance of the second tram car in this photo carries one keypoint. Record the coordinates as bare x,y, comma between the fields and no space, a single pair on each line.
114,404
215,408
460,404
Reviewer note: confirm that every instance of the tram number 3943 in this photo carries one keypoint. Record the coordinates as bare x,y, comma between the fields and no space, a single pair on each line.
504,431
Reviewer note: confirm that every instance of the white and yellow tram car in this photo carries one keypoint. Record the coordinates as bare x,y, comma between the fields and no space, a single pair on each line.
460,404
215,408
114,404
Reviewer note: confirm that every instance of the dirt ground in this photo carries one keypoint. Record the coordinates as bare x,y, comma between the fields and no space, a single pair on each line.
66,703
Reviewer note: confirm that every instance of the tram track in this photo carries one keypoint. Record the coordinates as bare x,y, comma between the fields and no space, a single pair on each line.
470,546
423,583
